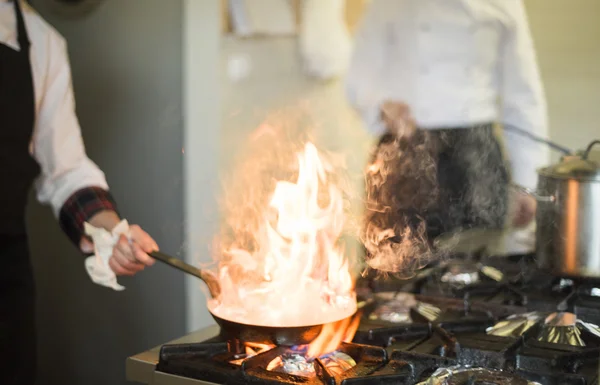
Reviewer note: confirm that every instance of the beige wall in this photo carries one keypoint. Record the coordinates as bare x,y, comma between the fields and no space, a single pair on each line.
276,82
567,39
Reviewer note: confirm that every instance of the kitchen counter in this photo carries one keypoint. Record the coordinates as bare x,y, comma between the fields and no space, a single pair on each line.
141,367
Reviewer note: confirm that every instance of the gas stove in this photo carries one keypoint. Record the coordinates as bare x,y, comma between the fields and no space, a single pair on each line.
485,321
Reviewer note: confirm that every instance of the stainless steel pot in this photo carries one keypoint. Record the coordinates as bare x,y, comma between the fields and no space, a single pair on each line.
568,216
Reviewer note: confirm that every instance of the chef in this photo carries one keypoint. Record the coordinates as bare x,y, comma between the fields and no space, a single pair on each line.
41,145
439,74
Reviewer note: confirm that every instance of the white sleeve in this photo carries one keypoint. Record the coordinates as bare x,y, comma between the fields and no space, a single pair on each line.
57,144
524,104
362,85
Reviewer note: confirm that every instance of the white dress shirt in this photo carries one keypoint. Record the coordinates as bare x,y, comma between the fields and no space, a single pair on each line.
56,143
455,63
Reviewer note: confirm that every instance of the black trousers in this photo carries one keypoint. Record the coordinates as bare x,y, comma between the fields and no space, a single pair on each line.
17,313
435,182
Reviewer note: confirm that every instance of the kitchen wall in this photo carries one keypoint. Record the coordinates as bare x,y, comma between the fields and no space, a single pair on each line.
127,70
567,38
275,82
202,126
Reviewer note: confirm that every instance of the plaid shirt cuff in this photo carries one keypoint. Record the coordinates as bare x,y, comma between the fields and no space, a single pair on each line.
80,207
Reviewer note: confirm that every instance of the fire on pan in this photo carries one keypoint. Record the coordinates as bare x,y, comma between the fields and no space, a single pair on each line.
284,276
286,281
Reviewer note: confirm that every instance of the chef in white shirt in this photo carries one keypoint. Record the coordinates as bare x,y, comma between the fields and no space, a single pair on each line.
41,146
438,74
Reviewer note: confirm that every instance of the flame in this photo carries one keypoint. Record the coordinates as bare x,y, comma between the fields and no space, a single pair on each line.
332,335
284,266
274,363
253,349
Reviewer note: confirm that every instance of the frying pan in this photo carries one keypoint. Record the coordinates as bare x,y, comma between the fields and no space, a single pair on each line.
232,330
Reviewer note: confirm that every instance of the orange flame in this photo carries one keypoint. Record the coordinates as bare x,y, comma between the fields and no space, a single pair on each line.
284,266
252,349
332,335
256,348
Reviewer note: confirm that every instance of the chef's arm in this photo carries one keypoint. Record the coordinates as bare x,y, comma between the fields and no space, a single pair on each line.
362,85
524,104
69,181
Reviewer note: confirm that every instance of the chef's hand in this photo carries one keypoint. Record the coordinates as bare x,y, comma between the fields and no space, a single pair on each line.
397,118
524,209
128,258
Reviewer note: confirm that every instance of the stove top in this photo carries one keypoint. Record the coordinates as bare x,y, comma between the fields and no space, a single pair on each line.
485,322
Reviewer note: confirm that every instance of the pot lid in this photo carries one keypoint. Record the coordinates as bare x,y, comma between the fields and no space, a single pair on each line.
574,167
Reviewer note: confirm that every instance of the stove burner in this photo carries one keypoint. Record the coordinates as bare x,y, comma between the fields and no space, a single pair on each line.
468,376
561,320
515,325
563,284
564,328
430,312
296,363
397,309
461,275
557,328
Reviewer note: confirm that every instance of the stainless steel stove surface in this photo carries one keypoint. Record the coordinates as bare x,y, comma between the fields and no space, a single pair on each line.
504,325
141,368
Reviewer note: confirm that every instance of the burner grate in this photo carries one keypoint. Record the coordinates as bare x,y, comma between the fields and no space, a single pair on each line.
212,361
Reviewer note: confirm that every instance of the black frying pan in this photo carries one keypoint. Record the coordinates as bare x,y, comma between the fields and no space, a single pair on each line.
288,336
231,330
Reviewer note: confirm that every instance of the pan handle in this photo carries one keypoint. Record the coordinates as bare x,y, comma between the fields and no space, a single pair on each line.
209,278
534,194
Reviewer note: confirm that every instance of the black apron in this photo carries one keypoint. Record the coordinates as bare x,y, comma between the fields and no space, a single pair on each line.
443,181
17,173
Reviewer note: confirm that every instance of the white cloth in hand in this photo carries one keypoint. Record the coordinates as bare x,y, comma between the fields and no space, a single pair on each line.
97,266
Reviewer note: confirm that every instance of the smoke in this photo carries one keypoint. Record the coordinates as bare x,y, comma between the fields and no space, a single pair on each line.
268,156
400,178
432,183
487,189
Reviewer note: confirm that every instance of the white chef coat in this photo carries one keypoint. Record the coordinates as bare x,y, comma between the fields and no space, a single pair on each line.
452,61
56,143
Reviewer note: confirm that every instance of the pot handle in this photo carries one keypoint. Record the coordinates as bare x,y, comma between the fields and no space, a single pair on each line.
534,194
589,149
